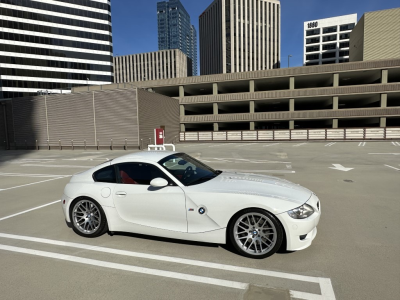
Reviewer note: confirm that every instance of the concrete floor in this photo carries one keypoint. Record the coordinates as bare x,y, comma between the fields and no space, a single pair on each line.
357,246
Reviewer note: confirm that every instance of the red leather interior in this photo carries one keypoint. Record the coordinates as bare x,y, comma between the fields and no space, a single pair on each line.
126,179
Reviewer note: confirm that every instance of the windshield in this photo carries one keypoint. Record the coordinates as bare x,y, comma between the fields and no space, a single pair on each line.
188,170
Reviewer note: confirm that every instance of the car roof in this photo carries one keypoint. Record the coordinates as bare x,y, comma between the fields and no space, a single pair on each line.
154,156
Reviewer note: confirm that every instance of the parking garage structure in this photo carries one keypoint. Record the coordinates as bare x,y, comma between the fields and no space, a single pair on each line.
349,95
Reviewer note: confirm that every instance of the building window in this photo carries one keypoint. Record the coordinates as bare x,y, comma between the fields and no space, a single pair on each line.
347,27
312,49
329,46
314,63
343,60
313,32
344,36
312,40
344,53
329,38
312,56
344,45
327,62
329,55
329,29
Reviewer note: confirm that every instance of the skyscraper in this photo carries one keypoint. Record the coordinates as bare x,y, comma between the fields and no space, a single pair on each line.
240,36
327,41
51,46
175,30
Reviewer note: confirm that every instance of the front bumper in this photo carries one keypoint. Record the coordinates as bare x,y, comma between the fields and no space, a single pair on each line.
301,233
65,203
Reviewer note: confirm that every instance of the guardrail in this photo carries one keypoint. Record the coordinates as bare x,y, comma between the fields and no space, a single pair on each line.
293,135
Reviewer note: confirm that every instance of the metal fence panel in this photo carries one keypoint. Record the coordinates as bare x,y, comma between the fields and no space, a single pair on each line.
335,134
299,135
234,135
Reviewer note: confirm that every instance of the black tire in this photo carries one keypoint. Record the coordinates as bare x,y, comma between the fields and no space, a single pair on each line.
248,238
98,228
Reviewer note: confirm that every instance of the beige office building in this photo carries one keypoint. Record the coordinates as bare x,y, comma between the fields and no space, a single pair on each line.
157,65
240,36
376,36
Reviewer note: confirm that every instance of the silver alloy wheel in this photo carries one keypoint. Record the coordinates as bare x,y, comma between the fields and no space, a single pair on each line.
86,216
255,233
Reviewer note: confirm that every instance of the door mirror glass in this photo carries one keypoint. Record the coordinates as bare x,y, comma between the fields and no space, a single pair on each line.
159,183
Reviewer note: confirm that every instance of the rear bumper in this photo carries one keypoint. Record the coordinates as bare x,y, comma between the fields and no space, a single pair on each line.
301,233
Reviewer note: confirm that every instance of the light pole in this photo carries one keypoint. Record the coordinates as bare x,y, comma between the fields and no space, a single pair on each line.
288,60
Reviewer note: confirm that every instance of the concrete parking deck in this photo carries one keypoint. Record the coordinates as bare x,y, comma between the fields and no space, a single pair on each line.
354,256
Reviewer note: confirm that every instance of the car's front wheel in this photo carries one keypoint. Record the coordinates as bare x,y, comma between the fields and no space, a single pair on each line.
88,218
255,233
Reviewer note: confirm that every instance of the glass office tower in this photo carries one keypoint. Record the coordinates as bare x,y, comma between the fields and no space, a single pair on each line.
47,47
175,30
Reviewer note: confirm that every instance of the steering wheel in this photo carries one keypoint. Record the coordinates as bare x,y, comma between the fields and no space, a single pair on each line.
188,172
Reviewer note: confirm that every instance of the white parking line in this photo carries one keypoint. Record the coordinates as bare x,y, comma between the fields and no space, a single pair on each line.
15,187
56,166
219,145
385,153
260,171
30,175
26,211
330,144
362,144
299,145
392,167
396,144
195,145
269,145
244,145
325,283
147,271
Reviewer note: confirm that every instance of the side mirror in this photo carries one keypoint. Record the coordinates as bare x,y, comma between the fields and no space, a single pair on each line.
159,183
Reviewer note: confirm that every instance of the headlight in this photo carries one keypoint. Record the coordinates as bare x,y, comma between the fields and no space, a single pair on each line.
301,212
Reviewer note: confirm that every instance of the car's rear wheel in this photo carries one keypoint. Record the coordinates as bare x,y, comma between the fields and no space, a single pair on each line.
255,233
88,218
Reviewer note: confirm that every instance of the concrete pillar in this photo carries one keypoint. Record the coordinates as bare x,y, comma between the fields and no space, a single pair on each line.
335,80
335,123
215,88
291,124
215,108
383,100
252,86
384,78
181,91
291,105
252,126
291,84
183,128
335,103
383,122
252,108
216,127
182,110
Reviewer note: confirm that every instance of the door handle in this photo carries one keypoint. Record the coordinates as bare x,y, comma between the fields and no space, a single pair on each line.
122,194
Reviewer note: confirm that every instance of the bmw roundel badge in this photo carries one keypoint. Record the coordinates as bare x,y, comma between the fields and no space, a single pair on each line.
202,210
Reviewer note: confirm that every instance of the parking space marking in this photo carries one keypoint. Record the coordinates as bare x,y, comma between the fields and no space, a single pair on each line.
396,144
244,145
219,145
19,186
270,145
330,144
392,167
30,175
57,166
195,145
299,145
362,144
384,153
29,210
325,283
129,268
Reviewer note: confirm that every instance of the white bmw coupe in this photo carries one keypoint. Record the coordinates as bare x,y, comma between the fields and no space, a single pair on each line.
173,195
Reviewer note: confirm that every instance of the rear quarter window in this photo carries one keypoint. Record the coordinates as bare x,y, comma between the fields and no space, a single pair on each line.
106,174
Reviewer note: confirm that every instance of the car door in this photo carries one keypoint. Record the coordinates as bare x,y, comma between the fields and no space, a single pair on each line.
139,203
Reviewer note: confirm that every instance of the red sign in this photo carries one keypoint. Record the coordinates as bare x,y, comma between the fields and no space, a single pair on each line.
159,136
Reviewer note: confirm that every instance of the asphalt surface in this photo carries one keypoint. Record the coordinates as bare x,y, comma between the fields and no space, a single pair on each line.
354,256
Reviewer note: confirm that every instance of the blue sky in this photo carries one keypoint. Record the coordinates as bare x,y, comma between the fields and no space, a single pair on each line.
135,21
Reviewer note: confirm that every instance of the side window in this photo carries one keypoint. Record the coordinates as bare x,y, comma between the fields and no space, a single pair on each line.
106,174
139,173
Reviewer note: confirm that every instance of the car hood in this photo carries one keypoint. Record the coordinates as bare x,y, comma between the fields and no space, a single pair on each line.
257,185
